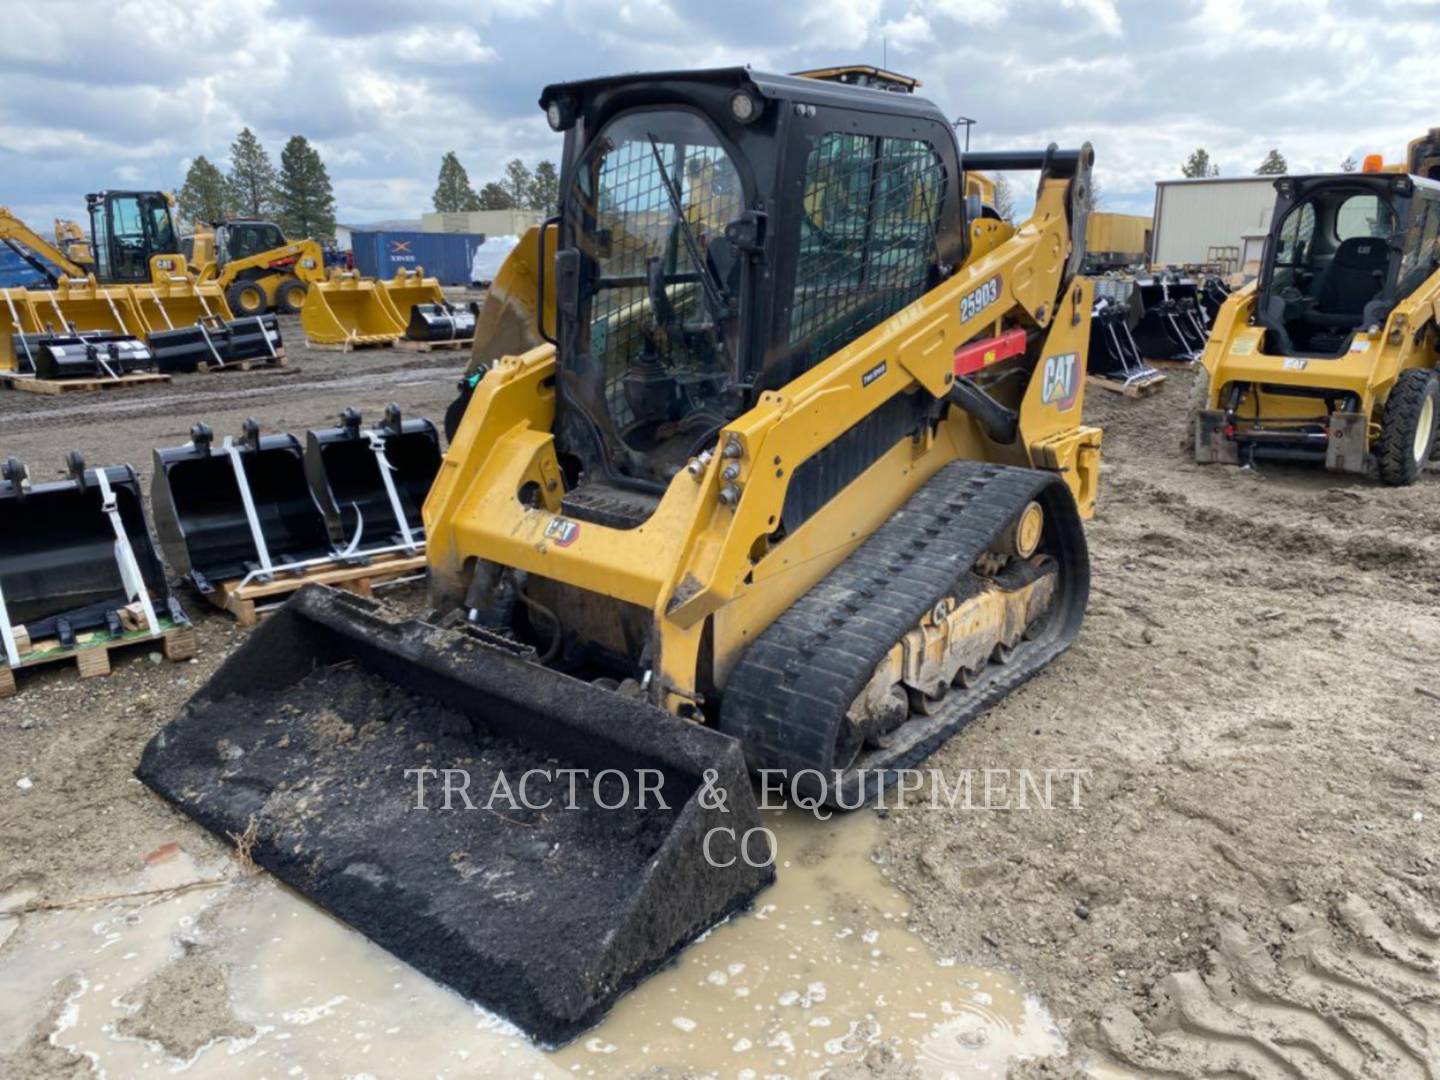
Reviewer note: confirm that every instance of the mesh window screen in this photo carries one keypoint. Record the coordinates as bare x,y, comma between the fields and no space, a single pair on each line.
633,220
867,237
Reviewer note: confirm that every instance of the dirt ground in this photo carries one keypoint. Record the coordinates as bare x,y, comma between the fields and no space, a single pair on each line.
1248,887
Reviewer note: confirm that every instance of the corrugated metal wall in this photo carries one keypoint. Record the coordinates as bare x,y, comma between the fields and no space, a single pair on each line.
446,256
1192,216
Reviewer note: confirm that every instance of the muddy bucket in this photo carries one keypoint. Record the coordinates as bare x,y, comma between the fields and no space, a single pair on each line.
240,511
212,343
408,288
75,556
441,322
346,309
372,484
309,738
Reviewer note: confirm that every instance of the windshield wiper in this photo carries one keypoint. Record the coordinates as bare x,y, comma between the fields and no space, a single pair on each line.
717,301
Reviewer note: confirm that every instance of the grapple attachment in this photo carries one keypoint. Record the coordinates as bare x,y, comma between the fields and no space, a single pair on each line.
408,288
372,483
99,355
441,322
239,511
215,343
347,309
75,555
544,908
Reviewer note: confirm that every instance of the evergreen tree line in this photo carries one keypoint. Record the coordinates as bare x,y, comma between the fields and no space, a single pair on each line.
1199,165
518,188
297,195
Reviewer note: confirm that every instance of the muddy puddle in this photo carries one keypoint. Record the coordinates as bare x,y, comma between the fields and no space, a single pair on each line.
820,972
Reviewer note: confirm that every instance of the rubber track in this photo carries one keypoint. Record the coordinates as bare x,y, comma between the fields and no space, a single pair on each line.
789,693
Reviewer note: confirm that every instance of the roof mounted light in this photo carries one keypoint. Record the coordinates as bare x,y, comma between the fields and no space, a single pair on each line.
1373,163
560,113
744,107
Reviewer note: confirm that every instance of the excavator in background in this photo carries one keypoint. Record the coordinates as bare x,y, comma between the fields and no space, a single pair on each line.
1331,354
135,307
255,266
780,467
71,239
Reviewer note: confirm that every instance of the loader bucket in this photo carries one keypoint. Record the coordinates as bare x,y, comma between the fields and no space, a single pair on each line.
312,737
17,318
239,511
80,304
441,322
212,343
347,309
1170,326
506,324
1114,354
73,553
372,484
100,355
177,305
408,288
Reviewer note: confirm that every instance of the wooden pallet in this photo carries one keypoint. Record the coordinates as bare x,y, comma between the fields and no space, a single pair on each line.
1140,388
248,603
448,345
279,366
92,650
31,385
349,346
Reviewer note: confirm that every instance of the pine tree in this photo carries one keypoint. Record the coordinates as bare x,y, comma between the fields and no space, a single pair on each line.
1004,200
306,200
1273,165
544,191
250,186
202,196
1349,164
494,196
453,193
517,183
1198,165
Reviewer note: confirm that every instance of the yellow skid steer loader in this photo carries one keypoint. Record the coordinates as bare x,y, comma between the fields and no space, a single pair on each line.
796,483
1330,355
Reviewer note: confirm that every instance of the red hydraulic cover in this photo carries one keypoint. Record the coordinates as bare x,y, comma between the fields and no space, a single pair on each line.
978,354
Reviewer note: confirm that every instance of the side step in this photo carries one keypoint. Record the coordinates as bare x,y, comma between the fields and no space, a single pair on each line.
308,737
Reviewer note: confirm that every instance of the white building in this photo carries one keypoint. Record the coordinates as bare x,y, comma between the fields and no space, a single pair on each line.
1217,219
483,222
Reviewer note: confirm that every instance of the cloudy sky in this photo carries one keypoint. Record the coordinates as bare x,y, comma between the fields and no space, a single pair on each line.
125,92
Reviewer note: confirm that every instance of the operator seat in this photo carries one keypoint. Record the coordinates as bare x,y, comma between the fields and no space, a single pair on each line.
1353,279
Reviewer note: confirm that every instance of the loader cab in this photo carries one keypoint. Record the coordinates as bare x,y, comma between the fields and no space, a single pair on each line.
1343,250
719,234
128,228
243,239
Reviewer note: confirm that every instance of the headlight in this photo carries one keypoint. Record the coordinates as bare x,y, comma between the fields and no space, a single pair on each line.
560,113
743,107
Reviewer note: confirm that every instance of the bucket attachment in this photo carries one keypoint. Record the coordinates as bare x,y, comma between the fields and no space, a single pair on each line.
346,309
408,288
241,511
176,305
506,324
1171,325
79,304
213,343
98,355
76,556
1114,355
17,318
313,736
441,322
372,484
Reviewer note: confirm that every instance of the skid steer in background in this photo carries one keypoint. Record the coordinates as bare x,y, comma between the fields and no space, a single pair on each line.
256,268
137,291
798,483
1330,355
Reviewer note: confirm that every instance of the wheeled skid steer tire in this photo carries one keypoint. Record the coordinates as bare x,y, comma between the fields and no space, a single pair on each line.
984,572
290,296
246,299
1409,427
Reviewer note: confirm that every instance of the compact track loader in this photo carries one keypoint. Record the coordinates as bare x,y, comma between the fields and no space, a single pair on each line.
1330,355
797,483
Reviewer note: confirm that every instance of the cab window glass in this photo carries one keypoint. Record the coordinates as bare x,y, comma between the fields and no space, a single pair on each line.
1362,216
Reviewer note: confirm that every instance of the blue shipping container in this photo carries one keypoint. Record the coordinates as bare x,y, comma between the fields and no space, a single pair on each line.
446,256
